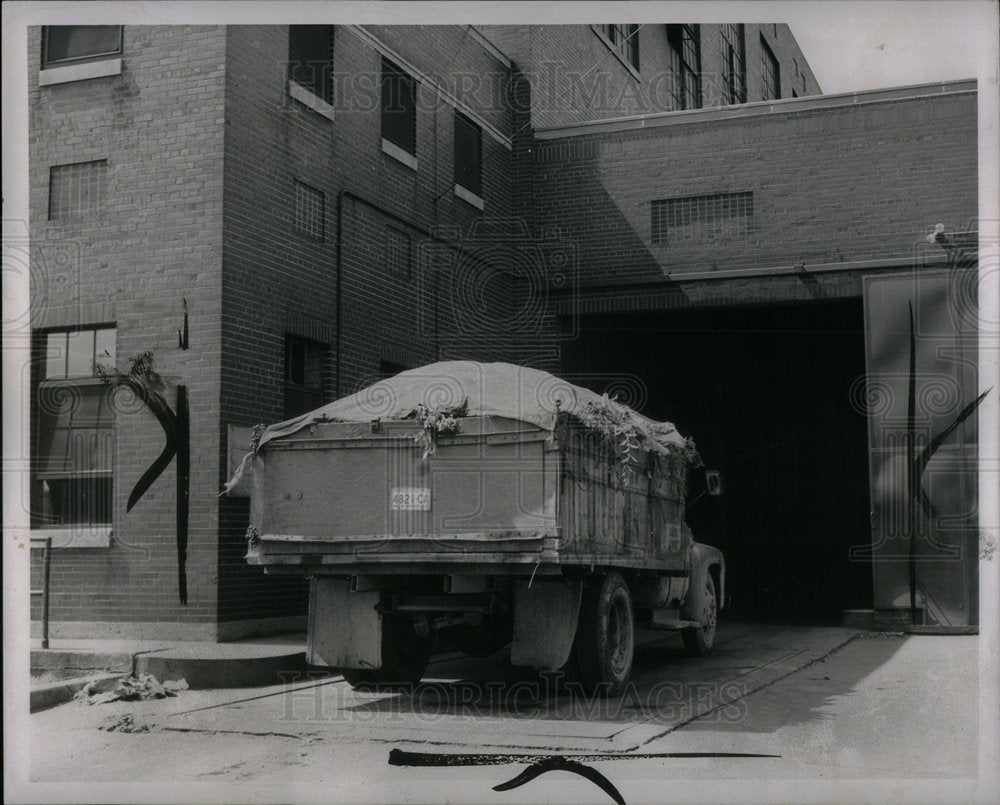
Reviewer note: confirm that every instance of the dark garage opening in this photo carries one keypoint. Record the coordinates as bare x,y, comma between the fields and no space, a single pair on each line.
765,391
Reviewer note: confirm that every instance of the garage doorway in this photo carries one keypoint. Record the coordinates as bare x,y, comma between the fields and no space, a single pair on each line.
766,393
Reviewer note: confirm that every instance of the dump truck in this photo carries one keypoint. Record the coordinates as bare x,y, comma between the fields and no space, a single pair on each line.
482,505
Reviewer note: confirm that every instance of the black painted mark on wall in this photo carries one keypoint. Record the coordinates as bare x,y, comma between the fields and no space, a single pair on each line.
182,335
917,496
145,383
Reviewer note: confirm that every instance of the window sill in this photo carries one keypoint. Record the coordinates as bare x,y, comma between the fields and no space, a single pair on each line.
79,72
399,154
311,99
468,197
75,536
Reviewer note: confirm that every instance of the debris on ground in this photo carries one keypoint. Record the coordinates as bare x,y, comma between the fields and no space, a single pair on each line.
129,689
124,723
882,635
98,691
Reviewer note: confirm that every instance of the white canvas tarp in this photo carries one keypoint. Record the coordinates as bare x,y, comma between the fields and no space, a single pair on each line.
483,389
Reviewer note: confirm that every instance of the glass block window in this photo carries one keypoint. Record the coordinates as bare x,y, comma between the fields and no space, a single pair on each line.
468,154
304,360
310,211
701,217
624,41
399,108
310,58
76,189
734,62
69,44
770,71
685,63
398,252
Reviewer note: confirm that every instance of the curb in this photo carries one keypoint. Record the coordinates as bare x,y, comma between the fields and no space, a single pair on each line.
86,663
45,696
221,672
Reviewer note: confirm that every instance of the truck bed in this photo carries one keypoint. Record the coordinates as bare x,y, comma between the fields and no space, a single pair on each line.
499,495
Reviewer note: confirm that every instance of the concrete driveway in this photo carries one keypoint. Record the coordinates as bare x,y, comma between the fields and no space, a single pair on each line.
822,711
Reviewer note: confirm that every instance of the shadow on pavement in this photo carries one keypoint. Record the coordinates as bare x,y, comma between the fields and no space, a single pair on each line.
668,687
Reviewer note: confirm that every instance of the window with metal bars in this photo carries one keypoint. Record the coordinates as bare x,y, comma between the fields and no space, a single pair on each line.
310,211
76,189
72,44
770,71
624,40
399,108
701,217
734,62
72,453
685,62
310,58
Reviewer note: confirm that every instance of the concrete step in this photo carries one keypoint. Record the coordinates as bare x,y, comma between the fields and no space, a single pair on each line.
60,671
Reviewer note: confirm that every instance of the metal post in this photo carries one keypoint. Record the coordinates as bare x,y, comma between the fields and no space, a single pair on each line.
43,591
46,565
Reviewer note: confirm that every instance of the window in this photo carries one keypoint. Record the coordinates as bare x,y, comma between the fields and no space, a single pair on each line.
398,254
624,40
304,361
310,58
685,60
701,217
734,63
310,211
468,155
399,108
72,44
77,189
388,369
73,438
770,71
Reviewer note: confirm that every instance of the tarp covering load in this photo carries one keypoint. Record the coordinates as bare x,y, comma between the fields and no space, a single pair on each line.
438,394
468,388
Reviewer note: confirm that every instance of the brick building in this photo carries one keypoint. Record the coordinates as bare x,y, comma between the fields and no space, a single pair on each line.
280,214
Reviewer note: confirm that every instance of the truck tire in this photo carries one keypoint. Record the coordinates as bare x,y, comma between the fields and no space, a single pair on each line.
698,640
605,636
405,656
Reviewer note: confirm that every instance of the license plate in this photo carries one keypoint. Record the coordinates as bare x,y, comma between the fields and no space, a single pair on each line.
411,498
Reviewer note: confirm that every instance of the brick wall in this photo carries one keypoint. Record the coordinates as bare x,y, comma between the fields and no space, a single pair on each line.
575,77
156,240
204,145
834,181
277,282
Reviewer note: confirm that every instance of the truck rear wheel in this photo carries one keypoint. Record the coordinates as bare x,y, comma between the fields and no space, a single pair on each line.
405,656
605,636
698,640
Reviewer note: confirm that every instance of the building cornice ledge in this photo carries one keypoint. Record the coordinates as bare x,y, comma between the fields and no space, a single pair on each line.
758,109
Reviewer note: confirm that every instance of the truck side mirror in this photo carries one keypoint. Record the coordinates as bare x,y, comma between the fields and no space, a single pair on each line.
713,482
